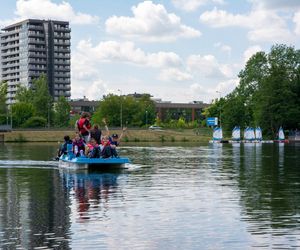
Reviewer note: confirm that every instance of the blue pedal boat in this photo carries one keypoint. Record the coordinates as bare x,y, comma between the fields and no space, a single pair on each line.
82,162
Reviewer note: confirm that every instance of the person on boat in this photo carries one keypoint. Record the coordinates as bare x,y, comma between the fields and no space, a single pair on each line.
84,126
78,144
63,147
96,133
105,147
114,140
93,149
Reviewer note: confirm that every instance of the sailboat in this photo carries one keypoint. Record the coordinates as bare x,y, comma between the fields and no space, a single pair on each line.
258,134
281,136
217,135
249,135
236,134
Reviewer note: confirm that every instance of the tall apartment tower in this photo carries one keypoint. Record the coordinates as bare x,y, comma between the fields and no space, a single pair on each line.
31,48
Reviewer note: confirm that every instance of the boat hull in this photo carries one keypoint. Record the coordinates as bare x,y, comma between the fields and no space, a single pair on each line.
98,163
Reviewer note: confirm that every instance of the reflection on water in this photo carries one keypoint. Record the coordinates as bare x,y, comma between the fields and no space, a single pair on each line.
216,196
90,190
32,209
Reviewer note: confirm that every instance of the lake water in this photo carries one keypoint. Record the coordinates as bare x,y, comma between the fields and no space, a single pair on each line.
171,197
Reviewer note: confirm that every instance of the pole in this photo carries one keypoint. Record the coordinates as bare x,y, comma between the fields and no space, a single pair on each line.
11,123
121,109
220,108
7,116
146,118
48,114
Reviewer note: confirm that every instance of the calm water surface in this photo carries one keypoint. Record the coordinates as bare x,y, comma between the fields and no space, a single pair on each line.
179,197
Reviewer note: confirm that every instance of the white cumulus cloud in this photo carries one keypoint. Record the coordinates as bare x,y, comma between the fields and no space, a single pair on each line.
174,74
264,25
192,5
296,20
46,9
126,52
208,66
150,22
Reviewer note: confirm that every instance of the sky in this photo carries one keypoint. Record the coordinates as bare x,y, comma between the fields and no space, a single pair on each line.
175,50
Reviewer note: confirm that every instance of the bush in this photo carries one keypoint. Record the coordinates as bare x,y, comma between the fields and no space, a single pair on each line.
73,120
3,119
35,122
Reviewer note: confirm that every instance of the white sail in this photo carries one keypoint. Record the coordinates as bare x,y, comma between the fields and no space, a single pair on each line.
217,134
236,133
258,134
281,136
249,134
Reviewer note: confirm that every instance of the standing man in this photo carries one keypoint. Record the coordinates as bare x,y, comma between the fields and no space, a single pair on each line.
84,126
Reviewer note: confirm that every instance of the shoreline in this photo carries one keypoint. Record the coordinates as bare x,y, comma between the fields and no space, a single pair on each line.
131,135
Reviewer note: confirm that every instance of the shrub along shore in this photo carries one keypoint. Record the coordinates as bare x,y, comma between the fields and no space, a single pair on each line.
131,135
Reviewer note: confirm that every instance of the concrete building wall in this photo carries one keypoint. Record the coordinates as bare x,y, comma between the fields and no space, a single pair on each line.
34,47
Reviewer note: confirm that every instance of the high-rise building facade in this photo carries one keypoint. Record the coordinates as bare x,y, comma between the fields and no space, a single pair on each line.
34,47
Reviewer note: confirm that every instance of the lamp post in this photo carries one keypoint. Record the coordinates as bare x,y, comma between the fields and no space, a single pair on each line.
220,108
146,118
48,114
11,120
121,109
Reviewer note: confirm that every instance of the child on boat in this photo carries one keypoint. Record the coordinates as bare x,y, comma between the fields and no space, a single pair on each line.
93,149
63,147
114,140
105,147
78,144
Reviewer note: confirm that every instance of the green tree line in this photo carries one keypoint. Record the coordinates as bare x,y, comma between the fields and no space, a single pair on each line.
134,112
34,107
268,94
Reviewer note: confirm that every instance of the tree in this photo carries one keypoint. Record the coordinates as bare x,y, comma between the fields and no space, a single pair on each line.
62,112
21,112
35,122
268,94
38,95
3,105
42,100
133,110
276,103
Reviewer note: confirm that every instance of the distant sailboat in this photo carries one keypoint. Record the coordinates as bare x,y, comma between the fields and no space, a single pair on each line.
249,135
236,133
217,134
258,134
281,136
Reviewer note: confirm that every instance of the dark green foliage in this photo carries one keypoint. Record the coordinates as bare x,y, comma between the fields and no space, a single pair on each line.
133,110
3,119
21,112
35,122
268,94
62,112
37,95
3,93
72,121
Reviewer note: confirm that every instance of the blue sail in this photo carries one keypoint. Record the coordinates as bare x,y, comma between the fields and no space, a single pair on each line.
236,133
281,136
217,134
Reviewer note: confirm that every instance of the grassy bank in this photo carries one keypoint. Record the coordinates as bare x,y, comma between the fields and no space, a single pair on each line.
131,135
